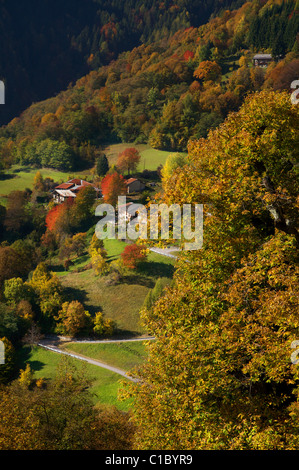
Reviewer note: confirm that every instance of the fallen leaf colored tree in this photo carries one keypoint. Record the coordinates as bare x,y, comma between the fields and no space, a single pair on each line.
219,375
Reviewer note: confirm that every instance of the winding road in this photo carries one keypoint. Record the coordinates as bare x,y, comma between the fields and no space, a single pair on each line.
51,343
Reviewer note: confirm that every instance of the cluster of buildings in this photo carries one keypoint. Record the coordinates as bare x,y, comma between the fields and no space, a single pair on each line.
70,189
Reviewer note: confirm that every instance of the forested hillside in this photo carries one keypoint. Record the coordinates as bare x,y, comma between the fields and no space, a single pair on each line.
46,45
163,93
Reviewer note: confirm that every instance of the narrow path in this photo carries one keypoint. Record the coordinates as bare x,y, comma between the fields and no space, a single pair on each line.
51,343
89,360
166,251
54,340
104,341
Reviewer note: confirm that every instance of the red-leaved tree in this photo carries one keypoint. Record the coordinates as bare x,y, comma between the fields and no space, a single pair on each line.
133,255
57,216
188,55
113,185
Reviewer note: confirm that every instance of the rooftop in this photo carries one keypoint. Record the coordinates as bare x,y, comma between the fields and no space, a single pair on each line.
64,186
131,180
262,56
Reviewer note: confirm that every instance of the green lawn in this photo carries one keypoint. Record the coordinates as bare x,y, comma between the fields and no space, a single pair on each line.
150,158
105,385
120,302
114,248
124,355
18,178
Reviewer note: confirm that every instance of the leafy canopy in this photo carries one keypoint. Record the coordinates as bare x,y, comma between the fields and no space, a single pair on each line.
219,374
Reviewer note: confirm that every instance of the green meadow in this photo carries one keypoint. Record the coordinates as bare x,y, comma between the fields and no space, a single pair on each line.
150,158
124,355
121,301
19,178
105,385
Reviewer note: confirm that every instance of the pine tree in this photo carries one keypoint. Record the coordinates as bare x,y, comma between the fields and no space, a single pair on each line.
102,165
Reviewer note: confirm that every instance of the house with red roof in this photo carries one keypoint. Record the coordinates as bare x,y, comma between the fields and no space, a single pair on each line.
70,189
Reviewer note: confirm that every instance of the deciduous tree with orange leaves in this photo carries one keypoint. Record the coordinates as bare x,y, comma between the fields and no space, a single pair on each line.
113,185
128,160
57,219
220,375
208,70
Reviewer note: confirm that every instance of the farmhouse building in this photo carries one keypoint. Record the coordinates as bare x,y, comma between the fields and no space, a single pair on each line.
134,185
262,60
70,189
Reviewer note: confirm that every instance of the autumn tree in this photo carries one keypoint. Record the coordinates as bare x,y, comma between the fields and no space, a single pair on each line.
27,253
60,416
48,290
2,219
219,375
26,376
281,75
115,429
75,245
9,322
113,185
8,369
96,243
208,70
33,335
17,216
128,160
103,326
82,209
58,218
38,182
49,243
73,319
15,290
133,255
24,310
99,261
173,161
11,264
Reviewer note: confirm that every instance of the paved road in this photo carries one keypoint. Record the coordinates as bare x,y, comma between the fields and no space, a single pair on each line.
51,345
166,251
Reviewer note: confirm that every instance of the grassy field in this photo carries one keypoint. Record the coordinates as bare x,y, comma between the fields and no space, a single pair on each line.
150,158
120,302
18,179
125,355
105,385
